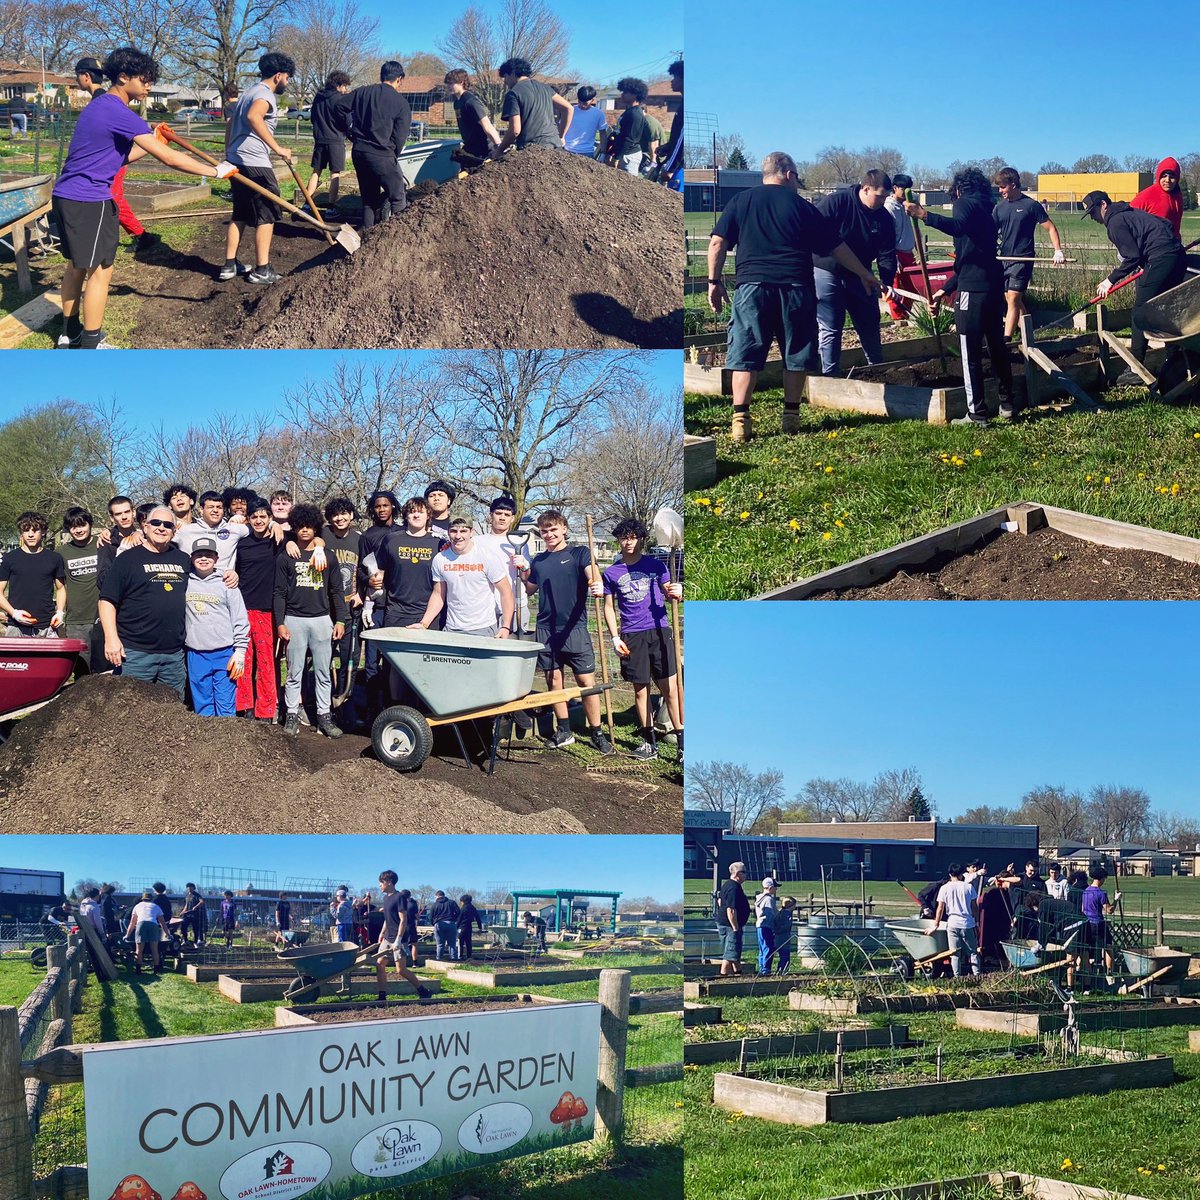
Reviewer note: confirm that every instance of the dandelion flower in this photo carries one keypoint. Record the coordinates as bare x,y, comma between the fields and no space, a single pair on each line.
1141,474
828,470
1163,1166
1087,479
833,433
1107,479
744,515
794,524
760,495
977,452
1196,435
1174,489
839,524
703,500
826,536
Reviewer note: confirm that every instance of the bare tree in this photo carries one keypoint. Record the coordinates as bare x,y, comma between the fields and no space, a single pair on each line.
632,467
225,450
1058,812
893,791
329,35
1118,813
56,30
735,789
422,62
1094,164
1140,162
883,158
157,27
985,814
526,29
230,34
839,800
14,20
842,164
516,419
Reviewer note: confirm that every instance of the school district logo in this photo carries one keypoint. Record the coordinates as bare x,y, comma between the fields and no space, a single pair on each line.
494,1128
281,1171
396,1149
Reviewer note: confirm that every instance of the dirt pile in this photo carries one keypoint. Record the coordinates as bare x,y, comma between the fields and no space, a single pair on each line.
115,755
541,249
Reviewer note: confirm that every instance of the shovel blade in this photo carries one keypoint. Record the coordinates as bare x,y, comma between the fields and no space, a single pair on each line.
348,239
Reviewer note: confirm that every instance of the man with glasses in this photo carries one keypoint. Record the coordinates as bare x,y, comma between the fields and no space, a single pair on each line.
33,591
463,580
143,601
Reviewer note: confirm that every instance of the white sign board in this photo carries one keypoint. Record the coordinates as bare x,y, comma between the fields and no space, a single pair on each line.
336,1110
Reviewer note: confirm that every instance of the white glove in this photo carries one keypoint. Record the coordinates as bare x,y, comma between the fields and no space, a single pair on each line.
1103,288
225,169
58,618
620,647
318,559
673,591
597,589
1059,258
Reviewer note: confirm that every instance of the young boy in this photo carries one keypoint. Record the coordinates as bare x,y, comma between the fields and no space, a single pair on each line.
392,938
33,588
464,577
80,556
309,614
229,917
562,576
640,586
342,546
218,632
107,135
783,934
502,515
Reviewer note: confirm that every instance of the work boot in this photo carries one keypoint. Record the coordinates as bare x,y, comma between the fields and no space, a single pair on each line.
327,727
740,430
291,724
791,420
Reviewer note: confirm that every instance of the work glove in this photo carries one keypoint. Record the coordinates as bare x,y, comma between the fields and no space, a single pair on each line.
160,132
58,618
620,647
235,668
1103,288
224,169
674,591
597,589
1059,258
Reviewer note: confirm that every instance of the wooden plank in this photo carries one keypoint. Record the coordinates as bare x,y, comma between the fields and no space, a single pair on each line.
699,462
877,399
99,952
63,1183
1121,535
1031,379
31,317
62,1065
642,1003
823,1041
646,1076
1126,355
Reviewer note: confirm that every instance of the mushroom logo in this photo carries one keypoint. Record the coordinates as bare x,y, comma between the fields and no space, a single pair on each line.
189,1191
569,1108
134,1187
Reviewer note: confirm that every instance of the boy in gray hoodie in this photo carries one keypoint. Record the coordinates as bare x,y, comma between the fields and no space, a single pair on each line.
218,632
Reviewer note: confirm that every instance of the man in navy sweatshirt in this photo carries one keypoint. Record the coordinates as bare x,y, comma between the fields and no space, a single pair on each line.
866,227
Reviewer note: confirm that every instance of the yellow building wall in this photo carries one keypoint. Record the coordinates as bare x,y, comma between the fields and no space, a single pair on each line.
1120,185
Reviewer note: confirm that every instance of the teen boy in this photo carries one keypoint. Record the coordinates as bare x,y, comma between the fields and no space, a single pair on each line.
475,127
637,587
562,576
330,126
464,577
218,632
392,939
33,589
1016,216
257,693
107,135
80,556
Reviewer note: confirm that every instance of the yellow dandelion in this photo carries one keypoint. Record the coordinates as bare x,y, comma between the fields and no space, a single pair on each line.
833,433
1141,474
744,515
760,495
1174,489
1087,479
826,536
1163,1166
977,453
839,524
793,524
828,470
704,500
718,511
1107,480
1196,435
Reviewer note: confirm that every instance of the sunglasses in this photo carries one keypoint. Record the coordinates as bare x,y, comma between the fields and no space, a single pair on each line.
162,524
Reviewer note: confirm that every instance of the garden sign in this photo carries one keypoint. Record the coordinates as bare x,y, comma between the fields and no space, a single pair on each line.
334,1111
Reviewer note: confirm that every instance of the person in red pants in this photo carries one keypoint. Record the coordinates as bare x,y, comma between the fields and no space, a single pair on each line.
90,78
255,563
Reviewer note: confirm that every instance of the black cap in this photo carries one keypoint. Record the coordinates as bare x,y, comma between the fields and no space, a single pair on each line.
440,485
89,65
1092,201
506,502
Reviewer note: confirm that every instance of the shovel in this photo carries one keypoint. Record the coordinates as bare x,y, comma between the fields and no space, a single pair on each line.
603,656
919,247
345,237
668,531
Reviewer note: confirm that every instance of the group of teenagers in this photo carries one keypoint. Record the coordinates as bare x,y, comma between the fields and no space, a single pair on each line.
801,268
227,597
89,208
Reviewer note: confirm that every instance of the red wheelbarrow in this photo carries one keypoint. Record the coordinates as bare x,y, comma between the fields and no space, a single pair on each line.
33,671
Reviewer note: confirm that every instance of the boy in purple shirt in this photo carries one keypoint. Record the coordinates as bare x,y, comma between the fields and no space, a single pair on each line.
1096,909
640,587
107,135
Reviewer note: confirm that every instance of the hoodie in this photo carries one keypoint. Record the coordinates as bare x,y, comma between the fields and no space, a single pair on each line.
971,224
216,616
1168,205
1139,237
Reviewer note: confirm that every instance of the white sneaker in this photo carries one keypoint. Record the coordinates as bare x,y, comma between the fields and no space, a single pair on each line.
66,343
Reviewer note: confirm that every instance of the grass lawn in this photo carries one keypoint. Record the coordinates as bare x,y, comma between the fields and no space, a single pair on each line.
17,978
169,1006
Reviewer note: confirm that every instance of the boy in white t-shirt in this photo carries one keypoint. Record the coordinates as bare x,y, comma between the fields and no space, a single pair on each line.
463,581
958,903
502,516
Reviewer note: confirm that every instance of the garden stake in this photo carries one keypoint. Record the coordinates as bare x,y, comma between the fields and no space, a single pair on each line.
600,636
920,249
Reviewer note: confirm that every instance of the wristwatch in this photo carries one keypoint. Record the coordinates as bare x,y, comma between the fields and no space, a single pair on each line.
712,281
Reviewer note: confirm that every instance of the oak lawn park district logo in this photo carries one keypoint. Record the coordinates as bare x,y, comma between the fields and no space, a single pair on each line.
396,1149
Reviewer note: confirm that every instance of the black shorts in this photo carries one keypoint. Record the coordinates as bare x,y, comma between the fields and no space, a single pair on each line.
90,230
331,155
574,650
651,656
1017,276
249,208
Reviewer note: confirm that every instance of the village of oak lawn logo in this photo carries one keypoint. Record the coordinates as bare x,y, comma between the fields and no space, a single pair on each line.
281,1171
495,1127
396,1149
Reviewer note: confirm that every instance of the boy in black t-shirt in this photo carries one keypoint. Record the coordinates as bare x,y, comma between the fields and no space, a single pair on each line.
33,589
627,140
475,127
330,125
1016,216
393,937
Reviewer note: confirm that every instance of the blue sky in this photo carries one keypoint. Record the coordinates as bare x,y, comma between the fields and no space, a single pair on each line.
986,700
607,40
183,387
1026,81
636,866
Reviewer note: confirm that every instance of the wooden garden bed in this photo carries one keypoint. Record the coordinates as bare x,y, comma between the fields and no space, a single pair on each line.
823,1041
543,975
371,1010
1006,1185
1033,1022
253,989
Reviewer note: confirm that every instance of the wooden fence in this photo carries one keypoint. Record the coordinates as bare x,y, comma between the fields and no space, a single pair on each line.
25,1082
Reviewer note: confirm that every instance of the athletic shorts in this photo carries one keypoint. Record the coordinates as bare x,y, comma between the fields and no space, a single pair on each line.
1098,935
574,651
764,313
331,155
651,656
147,932
90,230
249,208
395,949
1017,276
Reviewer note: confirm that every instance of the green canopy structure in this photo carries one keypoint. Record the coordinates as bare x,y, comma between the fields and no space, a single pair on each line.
563,901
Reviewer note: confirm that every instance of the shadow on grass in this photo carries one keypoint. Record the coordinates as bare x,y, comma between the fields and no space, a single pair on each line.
151,1023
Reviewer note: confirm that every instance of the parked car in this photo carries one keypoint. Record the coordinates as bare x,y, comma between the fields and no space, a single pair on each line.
194,114
302,114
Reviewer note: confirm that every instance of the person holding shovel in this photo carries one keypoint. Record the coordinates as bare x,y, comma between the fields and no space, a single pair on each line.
637,588
105,138
978,287
1145,243
250,146
380,119
1017,216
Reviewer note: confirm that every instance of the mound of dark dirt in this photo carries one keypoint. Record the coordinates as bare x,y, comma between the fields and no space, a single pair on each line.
540,249
115,755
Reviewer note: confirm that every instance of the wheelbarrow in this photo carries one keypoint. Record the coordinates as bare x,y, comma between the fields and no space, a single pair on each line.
1174,319
928,946
34,671
456,678
1158,964
318,964
508,937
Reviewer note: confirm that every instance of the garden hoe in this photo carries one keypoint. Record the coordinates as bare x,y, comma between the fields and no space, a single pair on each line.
668,531
345,237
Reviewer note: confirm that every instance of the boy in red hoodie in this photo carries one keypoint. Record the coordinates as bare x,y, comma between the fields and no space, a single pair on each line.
1163,197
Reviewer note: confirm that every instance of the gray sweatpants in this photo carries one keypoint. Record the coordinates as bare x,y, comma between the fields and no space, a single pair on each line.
310,635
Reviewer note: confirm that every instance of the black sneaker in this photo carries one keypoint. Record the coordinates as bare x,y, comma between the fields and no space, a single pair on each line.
327,727
264,275
424,993
229,270
645,751
599,741
1010,409
559,739
291,724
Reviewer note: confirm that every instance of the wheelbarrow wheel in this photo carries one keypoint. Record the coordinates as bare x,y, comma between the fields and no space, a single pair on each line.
904,968
302,989
402,738
37,957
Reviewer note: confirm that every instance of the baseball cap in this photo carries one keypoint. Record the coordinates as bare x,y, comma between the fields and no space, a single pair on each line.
768,882
1093,200
89,65
204,544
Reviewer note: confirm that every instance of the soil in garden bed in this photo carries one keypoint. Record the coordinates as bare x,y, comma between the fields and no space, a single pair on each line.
928,373
1045,565
440,273
94,757
413,1008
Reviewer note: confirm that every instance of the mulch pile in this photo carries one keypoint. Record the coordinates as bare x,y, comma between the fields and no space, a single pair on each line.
116,755
540,249
1044,565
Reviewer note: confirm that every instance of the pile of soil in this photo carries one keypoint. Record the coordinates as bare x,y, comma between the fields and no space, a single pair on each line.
116,755
540,249
1045,565
415,1008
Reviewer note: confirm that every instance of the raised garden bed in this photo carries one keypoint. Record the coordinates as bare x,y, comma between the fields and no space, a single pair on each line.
699,462
253,989
1033,1022
487,960
700,1014
379,1010
1053,554
737,985
823,1041
1003,1185
900,999
551,973
788,1105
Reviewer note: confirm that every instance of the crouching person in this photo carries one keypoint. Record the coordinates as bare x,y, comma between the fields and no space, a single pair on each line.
218,631
310,615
